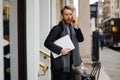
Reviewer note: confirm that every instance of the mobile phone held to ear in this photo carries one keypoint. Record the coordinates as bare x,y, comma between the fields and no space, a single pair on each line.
73,21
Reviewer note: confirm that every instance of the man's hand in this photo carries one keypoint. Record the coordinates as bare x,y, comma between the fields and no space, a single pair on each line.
65,51
74,23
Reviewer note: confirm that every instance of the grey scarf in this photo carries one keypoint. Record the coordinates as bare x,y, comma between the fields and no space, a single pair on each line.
75,53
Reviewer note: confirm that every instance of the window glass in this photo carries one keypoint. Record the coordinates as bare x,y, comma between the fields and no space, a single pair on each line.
6,48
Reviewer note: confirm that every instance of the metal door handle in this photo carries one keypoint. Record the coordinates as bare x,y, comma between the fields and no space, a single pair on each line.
45,54
44,69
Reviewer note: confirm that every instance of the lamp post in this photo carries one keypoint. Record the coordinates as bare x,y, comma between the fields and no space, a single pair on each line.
93,11
95,34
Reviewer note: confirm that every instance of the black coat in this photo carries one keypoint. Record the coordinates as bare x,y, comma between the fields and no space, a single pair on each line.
55,33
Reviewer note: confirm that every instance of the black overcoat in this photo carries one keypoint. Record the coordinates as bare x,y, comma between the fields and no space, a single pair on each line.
55,33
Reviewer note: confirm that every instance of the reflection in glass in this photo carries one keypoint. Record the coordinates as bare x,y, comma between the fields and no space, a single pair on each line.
6,10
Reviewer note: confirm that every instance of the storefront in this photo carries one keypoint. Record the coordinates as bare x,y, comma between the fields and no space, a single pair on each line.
29,22
24,23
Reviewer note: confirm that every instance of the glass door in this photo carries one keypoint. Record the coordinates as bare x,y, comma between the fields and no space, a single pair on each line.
14,34
6,48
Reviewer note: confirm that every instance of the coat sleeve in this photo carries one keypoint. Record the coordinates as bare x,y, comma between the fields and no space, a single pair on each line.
49,42
79,35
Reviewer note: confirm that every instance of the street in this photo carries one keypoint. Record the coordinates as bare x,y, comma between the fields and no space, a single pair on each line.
110,62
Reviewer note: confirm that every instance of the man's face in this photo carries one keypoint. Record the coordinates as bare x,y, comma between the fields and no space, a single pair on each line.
67,16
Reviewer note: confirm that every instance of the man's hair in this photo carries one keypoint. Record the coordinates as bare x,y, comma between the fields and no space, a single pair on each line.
66,7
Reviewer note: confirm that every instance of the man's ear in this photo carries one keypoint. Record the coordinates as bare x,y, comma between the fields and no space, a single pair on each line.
61,16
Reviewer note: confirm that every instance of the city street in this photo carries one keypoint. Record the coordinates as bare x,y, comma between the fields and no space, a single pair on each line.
110,62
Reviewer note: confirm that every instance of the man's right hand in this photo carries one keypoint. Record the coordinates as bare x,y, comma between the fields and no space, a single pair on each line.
65,51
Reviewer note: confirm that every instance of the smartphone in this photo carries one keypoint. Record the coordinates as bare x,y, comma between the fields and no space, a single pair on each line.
73,21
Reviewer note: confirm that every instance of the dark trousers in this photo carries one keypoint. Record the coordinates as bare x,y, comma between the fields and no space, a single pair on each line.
102,44
62,75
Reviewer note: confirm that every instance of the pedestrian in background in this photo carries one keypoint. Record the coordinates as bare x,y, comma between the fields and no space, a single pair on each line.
101,38
61,67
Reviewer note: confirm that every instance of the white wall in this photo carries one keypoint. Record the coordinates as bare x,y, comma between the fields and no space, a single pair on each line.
1,42
32,39
84,24
53,12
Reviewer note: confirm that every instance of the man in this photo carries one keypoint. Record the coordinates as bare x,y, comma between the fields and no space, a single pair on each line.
61,67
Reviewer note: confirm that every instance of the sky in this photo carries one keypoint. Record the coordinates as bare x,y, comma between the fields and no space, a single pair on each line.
93,1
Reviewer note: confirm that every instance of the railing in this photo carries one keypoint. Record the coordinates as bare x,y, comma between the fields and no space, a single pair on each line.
42,65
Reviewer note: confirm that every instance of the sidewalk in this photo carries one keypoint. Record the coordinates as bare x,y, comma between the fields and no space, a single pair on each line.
110,62
103,74
109,59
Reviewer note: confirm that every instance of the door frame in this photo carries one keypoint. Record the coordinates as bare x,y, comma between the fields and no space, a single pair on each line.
22,50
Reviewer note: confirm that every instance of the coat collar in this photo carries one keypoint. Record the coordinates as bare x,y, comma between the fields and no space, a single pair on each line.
62,24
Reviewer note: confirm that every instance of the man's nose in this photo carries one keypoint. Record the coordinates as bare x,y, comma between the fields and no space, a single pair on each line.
69,16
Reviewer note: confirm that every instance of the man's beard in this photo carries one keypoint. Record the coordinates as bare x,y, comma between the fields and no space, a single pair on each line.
68,21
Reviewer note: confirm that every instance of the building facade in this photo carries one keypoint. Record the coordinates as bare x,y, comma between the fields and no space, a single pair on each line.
111,23
111,9
100,14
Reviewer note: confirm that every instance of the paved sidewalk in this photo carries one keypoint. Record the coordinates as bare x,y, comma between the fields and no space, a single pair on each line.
103,72
110,62
103,75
